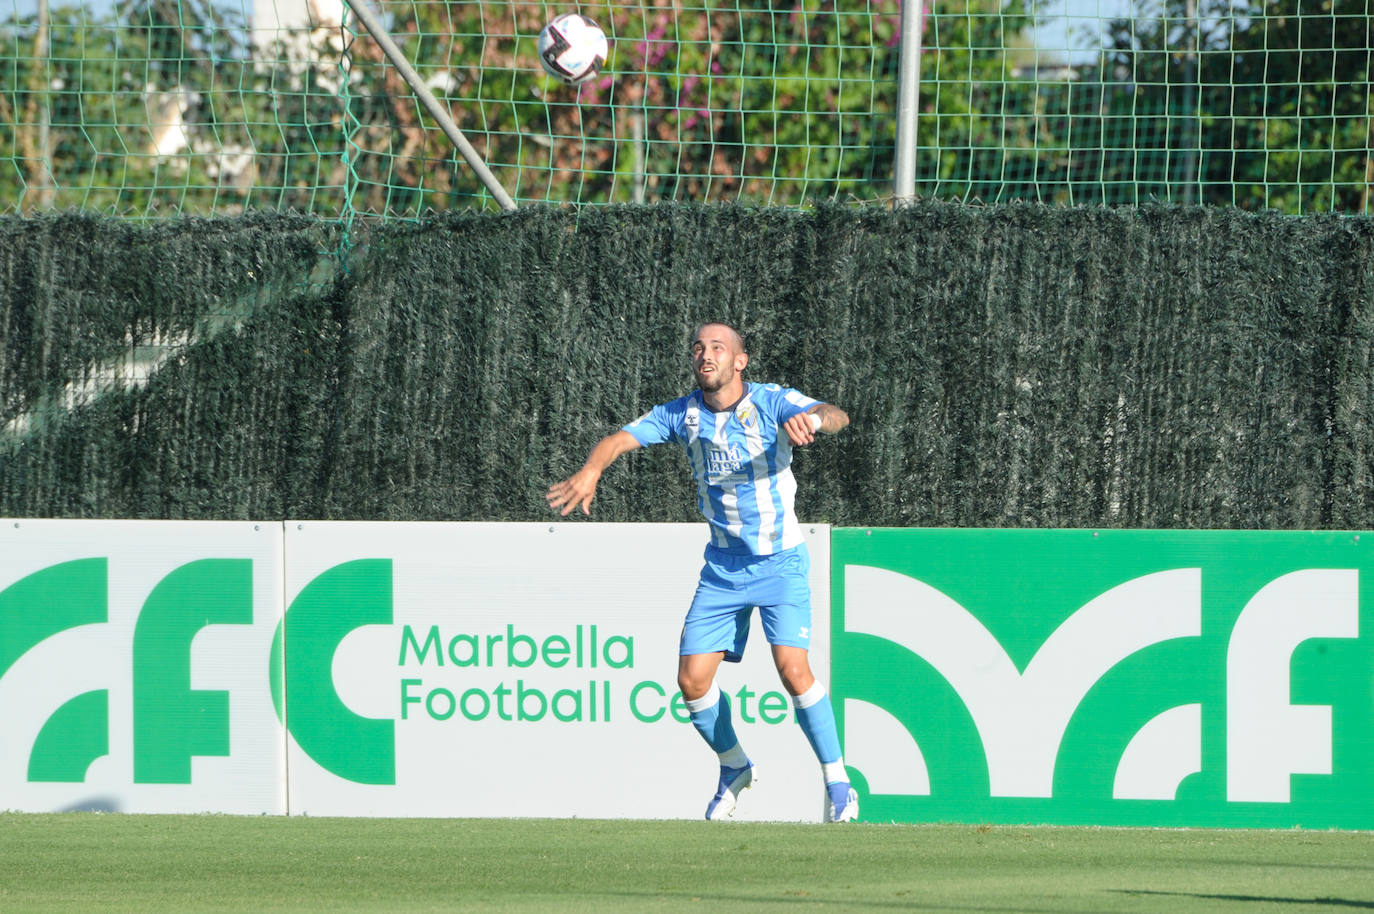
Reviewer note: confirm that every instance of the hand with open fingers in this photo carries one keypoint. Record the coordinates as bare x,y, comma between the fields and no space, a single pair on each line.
577,490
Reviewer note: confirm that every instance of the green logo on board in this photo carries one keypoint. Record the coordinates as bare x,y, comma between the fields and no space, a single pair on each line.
172,722
336,602
1122,677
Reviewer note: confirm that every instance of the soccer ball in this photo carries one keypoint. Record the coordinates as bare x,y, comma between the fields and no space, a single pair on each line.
572,48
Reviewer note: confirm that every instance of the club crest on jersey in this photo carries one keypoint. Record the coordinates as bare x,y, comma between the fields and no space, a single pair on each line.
748,416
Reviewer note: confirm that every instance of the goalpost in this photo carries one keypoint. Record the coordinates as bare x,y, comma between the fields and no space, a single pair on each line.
431,104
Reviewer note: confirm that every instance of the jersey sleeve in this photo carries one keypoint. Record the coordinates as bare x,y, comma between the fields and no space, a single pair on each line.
788,403
654,427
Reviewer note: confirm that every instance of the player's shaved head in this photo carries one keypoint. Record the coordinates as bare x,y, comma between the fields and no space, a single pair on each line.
726,332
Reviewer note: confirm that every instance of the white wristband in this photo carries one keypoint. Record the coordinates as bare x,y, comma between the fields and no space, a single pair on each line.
816,422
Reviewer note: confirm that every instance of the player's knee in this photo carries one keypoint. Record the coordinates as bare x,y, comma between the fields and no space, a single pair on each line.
693,686
796,676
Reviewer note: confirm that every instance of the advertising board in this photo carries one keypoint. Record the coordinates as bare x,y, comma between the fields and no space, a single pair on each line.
134,666
519,670
1117,677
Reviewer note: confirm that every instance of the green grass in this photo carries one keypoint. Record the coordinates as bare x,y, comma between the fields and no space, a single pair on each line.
94,862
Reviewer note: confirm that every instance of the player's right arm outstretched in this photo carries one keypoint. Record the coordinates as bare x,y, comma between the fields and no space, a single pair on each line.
579,489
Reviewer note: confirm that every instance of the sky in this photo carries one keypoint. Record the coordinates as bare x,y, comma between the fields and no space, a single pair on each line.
1054,37
1058,37
1061,18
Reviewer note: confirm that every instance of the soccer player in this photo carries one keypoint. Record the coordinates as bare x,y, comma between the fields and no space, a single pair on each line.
739,437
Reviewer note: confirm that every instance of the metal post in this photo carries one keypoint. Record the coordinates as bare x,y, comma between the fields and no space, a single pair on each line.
430,103
637,138
1193,134
908,101
42,59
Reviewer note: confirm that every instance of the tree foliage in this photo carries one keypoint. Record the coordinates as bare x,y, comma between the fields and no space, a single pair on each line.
178,106
165,106
1261,104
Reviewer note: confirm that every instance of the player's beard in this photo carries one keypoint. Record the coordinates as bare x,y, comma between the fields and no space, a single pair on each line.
714,381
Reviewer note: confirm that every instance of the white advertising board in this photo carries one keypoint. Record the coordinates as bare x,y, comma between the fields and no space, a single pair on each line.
520,670
134,666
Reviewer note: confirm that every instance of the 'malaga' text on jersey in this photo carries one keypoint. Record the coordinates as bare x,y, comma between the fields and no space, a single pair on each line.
742,462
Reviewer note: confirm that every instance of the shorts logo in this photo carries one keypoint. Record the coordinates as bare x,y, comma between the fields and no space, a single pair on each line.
805,632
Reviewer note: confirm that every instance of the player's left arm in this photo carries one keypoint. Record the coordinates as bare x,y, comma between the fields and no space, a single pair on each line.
802,428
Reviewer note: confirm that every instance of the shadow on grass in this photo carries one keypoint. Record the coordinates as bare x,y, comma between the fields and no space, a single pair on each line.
1254,899
790,901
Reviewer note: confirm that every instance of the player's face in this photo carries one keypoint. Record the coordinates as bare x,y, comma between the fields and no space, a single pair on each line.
716,357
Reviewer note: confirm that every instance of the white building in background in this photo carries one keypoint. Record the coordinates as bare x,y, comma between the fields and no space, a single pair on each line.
299,33
301,27
167,119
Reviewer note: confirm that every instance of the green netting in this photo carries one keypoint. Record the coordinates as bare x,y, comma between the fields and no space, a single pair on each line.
154,108
1014,365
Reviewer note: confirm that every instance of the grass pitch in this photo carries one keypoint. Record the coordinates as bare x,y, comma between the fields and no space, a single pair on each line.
93,862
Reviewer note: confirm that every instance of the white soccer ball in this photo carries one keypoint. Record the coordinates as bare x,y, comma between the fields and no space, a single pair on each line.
572,48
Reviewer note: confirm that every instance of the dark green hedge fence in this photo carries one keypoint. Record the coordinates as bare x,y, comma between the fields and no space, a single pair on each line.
1003,366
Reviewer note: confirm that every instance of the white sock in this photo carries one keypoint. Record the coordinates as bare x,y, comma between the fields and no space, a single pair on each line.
734,758
810,697
697,705
834,771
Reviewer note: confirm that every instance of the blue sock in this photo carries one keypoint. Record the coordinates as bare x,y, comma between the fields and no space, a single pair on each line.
817,719
711,716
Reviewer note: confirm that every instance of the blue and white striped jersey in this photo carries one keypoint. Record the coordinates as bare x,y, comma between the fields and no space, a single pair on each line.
742,463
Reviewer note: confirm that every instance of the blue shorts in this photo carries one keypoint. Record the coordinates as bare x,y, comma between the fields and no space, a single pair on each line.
729,589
